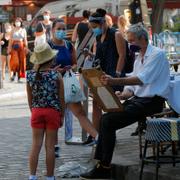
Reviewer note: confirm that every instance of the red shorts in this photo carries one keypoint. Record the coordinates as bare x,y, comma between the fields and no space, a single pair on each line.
45,118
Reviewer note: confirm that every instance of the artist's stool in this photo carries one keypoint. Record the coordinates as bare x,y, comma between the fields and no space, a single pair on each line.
160,130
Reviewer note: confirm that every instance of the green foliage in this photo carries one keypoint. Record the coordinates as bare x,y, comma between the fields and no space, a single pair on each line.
176,27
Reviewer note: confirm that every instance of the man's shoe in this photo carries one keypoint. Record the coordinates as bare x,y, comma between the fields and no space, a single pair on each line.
140,129
98,172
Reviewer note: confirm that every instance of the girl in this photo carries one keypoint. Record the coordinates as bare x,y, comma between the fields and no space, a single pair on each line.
46,101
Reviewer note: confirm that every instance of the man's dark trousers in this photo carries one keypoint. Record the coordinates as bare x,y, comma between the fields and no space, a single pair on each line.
135,109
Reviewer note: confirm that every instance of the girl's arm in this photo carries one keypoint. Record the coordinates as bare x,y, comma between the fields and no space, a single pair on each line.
61,95
29,95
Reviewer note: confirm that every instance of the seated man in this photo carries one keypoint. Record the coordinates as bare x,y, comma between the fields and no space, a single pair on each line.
147,87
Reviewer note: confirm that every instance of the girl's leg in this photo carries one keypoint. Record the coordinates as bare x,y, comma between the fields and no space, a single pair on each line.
50,141
3,66
37,140
57,147
85,123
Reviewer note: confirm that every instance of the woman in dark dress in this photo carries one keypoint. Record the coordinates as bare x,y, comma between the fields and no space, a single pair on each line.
111,52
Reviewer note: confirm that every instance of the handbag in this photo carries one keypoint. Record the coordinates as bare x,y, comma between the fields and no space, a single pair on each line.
72,88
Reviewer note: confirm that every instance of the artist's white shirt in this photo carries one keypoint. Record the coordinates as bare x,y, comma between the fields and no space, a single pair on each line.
154,72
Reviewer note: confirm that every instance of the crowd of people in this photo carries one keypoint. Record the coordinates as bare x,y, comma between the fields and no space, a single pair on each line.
144,90
14,48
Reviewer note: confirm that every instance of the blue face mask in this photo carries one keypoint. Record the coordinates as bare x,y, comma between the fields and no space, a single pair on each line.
97,31
60,34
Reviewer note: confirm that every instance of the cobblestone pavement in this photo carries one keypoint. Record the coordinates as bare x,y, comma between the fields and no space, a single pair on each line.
15,143
12,90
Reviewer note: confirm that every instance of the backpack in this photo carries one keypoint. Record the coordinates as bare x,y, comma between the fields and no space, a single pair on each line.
130,58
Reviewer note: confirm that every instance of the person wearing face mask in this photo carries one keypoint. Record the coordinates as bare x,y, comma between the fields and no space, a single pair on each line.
66,59
111,54
144,94
5,57
40,34
47,23
18,48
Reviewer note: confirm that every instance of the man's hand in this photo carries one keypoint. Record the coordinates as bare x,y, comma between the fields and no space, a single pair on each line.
120,95
124,95
106,79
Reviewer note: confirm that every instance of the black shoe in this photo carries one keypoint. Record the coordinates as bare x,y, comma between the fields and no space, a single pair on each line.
140,129
98,172
12,78
89,141
57,151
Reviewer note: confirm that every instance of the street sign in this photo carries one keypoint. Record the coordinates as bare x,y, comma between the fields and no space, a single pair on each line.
5,2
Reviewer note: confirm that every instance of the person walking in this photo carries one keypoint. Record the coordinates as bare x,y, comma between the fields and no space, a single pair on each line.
45,94
144,95
5,57
47,23
18,48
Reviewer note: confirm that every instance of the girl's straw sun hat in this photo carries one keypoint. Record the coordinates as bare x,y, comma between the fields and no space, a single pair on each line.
42,54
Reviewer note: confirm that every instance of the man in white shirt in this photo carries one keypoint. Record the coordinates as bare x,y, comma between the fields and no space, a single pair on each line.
147,87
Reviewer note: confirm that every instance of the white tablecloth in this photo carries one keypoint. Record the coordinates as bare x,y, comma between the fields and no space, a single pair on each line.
174,94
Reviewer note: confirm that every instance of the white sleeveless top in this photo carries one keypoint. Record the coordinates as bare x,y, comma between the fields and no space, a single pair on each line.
19,35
